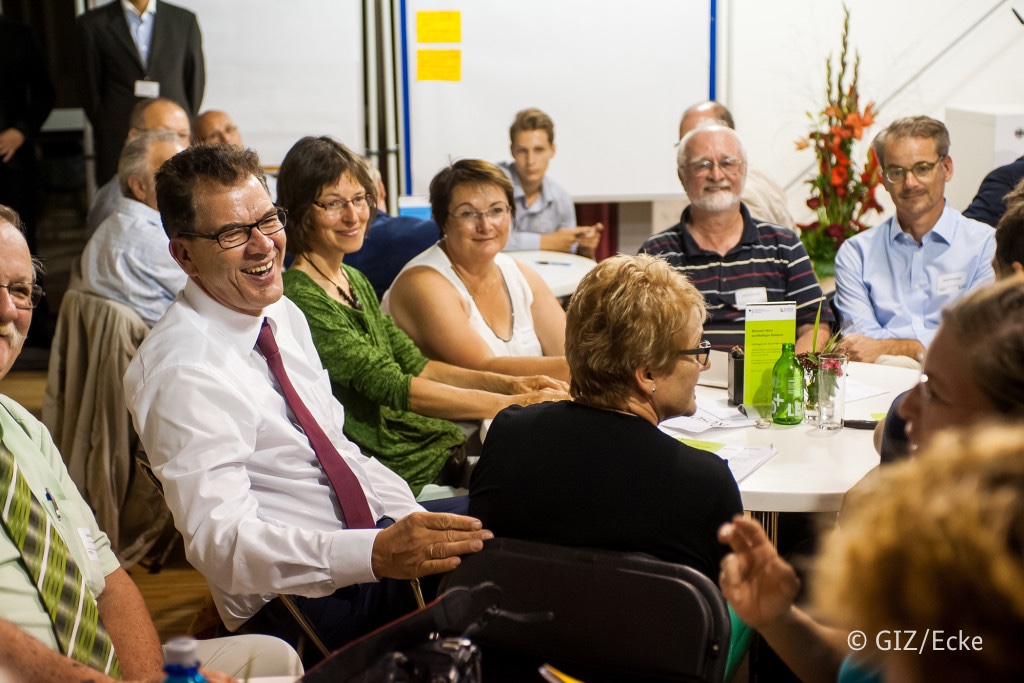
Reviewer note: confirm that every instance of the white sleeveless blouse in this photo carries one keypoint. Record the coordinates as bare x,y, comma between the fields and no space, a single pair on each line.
524,341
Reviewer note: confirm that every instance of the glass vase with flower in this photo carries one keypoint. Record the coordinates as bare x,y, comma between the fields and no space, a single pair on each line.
811,363
831,390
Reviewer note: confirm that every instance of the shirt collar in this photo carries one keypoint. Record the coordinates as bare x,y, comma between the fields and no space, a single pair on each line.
517,186
944,228
134,207
749,236
149,11
240,330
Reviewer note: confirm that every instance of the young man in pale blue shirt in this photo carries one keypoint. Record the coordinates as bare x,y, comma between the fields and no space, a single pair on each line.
545,216
893,281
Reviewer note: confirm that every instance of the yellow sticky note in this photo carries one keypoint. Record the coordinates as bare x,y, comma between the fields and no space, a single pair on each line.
439,27
439,65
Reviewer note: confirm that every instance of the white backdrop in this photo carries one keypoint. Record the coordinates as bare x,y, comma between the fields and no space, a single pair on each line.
772,66
284,69
614,76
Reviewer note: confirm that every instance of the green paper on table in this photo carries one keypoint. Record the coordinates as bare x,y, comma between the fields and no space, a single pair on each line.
712,446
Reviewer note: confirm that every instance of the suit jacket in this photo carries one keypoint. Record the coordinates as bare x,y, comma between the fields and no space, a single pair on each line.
84,409
110,65
988,206
26,93
26,98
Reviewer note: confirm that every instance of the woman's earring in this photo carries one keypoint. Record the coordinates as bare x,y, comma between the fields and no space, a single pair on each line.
653,388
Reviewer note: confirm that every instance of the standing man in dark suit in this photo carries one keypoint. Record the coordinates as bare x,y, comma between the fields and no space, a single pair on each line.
26,99
132,49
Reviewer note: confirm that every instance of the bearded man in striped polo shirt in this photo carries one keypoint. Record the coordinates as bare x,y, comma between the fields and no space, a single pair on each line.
734,258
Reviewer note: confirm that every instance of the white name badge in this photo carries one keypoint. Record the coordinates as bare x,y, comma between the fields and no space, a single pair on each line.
951,283
89,543
751,295
147,88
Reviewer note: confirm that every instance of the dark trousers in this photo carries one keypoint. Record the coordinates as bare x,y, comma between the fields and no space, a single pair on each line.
350,612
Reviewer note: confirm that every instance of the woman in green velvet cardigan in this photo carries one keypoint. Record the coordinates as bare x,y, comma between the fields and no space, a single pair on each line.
398,404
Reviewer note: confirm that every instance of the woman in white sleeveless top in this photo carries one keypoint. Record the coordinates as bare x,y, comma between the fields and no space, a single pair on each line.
463,301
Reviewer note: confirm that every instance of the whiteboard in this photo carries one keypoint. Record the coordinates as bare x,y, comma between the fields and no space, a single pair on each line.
283,70
614,76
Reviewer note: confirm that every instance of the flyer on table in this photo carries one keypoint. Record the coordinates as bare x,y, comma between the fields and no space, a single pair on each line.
768,326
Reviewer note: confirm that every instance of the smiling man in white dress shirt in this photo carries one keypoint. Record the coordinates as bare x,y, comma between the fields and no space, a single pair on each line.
247,491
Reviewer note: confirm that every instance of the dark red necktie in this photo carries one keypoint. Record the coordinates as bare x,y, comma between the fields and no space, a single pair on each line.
350,493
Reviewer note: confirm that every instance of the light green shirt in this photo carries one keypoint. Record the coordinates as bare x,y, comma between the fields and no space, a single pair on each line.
41,465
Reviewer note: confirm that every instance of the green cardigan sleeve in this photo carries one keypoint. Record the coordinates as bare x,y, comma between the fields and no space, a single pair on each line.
356,347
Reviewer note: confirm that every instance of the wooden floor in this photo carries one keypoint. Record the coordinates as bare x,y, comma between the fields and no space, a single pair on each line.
175,594
26,388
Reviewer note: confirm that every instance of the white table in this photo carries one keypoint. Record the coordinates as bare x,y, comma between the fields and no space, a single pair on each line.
561,271
813,469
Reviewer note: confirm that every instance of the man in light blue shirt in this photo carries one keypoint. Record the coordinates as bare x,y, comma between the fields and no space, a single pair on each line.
147,115
893,281
127,258
545,216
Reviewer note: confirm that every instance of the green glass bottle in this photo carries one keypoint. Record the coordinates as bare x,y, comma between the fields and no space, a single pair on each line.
787,388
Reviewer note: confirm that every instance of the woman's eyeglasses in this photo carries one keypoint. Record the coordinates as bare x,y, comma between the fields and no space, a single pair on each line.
334,207
468,218
702,352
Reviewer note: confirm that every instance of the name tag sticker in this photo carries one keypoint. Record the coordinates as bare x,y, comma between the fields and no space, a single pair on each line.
952,283
147,88
89,543
751,295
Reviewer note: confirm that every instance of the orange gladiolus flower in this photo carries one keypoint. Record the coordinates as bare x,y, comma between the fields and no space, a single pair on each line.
839,177
857,122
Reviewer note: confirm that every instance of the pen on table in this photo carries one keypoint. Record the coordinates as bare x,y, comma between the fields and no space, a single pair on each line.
53,502
553,263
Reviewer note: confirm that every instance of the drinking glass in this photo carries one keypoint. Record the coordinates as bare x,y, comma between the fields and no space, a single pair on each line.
831,390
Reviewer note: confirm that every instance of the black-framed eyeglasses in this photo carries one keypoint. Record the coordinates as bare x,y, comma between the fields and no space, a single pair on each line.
334,207
493,215
25,295
702,352
233,236
922,170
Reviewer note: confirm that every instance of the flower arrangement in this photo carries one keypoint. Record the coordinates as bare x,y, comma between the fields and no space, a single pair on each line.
841,196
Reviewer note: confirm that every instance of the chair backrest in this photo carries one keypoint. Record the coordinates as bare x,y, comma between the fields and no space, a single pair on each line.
610,611
84,409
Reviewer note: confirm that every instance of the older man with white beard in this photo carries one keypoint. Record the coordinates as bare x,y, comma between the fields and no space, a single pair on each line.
733,258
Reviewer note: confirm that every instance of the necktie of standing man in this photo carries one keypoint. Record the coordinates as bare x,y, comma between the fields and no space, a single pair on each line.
70,604
350,494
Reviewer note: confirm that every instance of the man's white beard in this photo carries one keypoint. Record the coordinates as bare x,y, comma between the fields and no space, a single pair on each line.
721,200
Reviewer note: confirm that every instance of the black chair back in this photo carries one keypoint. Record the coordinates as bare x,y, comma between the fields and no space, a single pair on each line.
617,615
